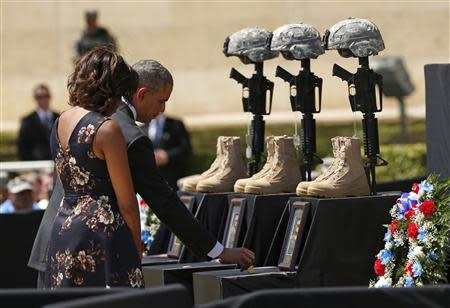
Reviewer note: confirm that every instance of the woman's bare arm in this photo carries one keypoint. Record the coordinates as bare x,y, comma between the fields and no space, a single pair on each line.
109,144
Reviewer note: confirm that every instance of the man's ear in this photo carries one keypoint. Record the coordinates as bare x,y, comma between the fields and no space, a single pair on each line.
140,92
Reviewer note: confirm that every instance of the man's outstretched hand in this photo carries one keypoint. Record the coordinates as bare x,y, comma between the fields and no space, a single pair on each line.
240,256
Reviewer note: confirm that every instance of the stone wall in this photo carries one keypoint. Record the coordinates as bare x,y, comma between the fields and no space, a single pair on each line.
37,40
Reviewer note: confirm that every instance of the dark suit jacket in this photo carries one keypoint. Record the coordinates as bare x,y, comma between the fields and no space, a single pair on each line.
34,138
176,142
148,183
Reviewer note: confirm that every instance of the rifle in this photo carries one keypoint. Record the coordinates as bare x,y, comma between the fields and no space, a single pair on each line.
254,97
363,98
303,99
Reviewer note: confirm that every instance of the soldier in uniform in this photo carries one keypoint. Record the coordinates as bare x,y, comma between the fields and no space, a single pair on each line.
94,36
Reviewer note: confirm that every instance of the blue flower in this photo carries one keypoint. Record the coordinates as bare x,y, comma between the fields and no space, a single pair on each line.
417,269
145,234
388,236
403,203
432,256
409,282
422,234
386,256
149,242
424,185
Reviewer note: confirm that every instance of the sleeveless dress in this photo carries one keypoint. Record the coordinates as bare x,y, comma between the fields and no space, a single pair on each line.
90,243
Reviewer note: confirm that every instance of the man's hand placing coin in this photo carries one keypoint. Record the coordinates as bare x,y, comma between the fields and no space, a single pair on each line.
243,257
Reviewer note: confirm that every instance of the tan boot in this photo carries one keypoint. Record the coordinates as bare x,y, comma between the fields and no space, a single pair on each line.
239,186
349,178
231,168
190,183
284,173
302,188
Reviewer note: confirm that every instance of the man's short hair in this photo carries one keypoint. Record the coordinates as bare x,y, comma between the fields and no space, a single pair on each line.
41,87
152,74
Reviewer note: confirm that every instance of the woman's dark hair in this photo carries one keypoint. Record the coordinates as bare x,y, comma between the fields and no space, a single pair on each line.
100,79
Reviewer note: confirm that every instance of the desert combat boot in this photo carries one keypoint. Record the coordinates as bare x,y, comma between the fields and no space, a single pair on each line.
231,168
349,178
239,186
302,188
284,174
190,183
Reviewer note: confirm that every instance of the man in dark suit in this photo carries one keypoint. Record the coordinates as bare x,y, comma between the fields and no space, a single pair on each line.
172,145
146,103
34,135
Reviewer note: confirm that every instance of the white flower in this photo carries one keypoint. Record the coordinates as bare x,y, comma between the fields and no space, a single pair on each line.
413,196
418,252
72,161
383,282
389,246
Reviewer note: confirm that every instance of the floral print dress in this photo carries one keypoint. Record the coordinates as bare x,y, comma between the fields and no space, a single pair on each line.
90,243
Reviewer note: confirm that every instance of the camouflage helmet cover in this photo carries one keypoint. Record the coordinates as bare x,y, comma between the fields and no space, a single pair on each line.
297,41
253,43
358,35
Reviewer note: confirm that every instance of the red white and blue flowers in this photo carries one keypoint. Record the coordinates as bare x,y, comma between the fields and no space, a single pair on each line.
417,240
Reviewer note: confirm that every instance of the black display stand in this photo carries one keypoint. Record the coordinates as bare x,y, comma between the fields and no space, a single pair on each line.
260,219
262,216
215,285
158,260
343,236
212,213
162,275
162,237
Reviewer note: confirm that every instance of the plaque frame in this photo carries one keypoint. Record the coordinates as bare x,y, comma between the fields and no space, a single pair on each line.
298,215
175,247
236,210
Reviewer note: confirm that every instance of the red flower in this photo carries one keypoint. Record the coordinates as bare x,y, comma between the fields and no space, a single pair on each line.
415,188
379,268
427,208
409,269
409,214
394,226
413,230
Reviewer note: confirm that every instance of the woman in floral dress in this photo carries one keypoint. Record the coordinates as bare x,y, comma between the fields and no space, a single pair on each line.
95,240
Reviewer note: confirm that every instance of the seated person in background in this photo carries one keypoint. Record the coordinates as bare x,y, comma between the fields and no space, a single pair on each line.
33,142
46,189
39,189
172,145
21,197
3,189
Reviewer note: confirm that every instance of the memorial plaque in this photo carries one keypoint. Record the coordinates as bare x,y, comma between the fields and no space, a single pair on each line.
175,245
294,234
234,222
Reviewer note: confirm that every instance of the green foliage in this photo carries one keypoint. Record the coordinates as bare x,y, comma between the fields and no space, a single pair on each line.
405,161
8,148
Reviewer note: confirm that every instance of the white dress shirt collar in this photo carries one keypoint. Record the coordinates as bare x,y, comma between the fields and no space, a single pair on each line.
133,110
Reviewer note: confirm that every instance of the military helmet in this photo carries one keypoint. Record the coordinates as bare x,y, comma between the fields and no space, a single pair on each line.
297,41
250,44
354,37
